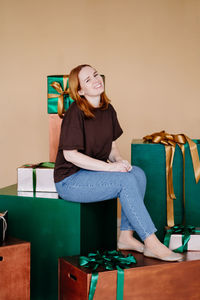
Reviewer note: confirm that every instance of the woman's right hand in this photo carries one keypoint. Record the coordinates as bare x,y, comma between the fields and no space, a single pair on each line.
118,166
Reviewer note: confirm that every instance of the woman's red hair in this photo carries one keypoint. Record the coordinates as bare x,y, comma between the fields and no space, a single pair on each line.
83,104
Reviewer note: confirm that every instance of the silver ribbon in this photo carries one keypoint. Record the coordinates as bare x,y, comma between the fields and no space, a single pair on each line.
4,225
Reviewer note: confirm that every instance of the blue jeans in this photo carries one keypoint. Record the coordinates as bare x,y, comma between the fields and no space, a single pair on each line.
92,186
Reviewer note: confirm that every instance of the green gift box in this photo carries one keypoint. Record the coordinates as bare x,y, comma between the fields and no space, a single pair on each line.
57,228
58,96
58,91
151,158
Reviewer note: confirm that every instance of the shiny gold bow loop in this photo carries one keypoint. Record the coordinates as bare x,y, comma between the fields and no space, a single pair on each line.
65,91
170,141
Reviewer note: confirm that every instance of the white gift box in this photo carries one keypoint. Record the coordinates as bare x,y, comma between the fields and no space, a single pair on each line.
193,243
38,195
44,179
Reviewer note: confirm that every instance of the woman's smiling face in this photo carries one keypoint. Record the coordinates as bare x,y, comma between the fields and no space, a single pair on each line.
91,83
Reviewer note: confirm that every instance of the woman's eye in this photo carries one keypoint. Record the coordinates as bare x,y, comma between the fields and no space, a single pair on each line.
96,74
87,80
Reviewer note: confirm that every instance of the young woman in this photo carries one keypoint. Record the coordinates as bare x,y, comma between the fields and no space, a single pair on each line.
89,167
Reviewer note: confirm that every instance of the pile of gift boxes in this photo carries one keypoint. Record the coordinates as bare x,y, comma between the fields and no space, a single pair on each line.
151,157
38,179
173,187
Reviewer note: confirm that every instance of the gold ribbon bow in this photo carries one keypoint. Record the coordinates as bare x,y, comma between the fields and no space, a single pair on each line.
170,141
57,86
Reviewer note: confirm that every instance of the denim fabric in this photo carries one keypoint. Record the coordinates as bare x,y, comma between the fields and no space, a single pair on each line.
91,186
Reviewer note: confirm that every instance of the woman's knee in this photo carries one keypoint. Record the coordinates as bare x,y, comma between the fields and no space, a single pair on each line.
139,174
128,179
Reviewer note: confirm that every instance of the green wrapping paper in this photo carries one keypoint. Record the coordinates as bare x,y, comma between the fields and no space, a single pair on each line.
52,103
151,158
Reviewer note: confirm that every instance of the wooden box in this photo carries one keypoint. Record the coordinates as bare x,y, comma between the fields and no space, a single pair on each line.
14,270
149,279
54,135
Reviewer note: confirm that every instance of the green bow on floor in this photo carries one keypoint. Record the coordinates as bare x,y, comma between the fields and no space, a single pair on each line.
110,260
185,231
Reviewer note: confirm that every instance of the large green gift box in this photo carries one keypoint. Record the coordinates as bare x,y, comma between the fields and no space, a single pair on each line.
151,158
57,228
56,91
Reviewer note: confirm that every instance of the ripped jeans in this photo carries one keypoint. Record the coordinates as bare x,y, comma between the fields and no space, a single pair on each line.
92,186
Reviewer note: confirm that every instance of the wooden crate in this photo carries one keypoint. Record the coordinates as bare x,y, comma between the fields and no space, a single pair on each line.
54,135
149,279
15,270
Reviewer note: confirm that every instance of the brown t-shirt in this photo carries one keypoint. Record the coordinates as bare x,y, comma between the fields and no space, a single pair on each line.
92,137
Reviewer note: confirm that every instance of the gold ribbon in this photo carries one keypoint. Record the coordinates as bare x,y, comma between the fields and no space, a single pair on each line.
57,86
170,141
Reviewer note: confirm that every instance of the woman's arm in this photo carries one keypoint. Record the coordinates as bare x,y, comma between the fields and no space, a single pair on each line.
115,156
86,162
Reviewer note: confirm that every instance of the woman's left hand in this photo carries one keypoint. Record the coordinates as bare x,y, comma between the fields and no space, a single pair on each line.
127,165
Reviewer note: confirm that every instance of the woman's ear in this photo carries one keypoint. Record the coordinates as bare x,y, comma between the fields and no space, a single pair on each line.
81,93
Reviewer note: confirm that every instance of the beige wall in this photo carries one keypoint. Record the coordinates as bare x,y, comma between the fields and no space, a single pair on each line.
147,49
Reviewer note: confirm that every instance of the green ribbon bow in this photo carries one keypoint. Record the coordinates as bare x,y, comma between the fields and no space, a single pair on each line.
110,260
40,165
185,230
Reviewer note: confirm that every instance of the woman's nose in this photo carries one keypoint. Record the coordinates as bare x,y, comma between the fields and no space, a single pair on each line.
95,79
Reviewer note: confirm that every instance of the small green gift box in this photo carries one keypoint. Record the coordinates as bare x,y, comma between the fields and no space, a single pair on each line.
58,94
152,159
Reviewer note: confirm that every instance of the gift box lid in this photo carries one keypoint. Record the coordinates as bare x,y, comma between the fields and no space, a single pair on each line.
141,141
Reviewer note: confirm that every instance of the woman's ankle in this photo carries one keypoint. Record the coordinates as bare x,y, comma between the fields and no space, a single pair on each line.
151,240
126,237
126,233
